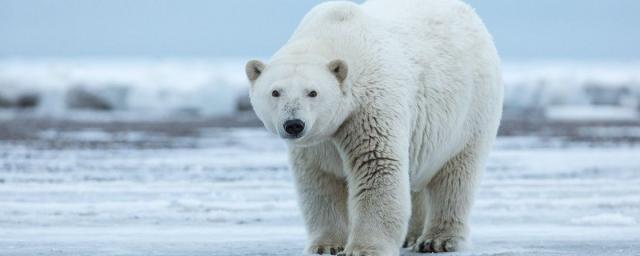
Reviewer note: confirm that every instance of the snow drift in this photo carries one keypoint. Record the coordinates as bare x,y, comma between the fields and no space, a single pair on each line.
142,88
197,88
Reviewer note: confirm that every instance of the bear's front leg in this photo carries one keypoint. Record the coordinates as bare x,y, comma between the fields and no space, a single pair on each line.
378,182
322,197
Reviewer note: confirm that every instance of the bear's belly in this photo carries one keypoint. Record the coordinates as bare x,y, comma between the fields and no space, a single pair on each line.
426,157
421,172
428,153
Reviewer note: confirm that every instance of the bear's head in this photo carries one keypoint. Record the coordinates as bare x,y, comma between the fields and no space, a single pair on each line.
304,103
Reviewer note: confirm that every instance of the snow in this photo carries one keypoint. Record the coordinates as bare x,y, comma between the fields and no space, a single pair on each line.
229,192
151,89
605,219
569,90
139,87
592,113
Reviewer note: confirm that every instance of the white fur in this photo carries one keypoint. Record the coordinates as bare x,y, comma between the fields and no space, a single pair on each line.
415,117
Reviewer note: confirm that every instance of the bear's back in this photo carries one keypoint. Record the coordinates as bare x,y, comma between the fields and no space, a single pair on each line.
329,17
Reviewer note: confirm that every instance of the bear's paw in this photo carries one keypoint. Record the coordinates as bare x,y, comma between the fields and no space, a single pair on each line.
328,249
435,244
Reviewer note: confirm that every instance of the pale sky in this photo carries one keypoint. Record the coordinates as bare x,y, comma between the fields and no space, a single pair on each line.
523,29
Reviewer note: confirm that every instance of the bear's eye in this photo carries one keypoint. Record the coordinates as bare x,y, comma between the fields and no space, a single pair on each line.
313,94
275,93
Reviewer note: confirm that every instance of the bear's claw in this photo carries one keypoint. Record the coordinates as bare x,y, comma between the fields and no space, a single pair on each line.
409,242
327,249
447,244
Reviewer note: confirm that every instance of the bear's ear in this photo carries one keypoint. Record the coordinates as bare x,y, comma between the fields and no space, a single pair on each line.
254,69
339,69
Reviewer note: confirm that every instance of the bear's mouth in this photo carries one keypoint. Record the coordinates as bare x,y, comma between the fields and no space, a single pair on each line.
291,137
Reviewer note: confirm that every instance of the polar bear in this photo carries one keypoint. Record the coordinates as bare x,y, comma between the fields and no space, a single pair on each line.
389,109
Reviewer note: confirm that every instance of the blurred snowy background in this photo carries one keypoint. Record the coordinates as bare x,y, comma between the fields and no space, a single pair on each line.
125,129
153,59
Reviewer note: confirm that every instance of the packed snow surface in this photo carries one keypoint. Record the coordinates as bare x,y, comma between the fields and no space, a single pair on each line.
229,192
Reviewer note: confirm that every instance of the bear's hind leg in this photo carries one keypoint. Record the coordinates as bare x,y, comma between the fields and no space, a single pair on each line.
450,197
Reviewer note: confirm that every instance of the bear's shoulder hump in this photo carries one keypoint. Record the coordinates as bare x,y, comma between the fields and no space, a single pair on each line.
338,11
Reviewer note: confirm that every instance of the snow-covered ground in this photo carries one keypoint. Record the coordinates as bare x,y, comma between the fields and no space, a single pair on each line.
229,192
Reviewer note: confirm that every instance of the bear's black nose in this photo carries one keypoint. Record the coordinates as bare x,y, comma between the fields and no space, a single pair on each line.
294,127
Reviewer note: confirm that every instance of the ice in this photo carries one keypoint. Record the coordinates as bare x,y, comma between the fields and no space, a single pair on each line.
229,192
